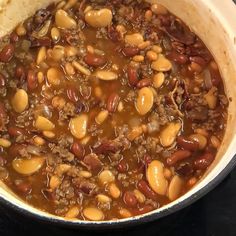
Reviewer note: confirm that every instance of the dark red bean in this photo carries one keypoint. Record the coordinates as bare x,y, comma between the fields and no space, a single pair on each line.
20,74
95,60
106,147
178,156
130,51
48,194
3,161
15,149
2,80
40,42
78,150
199,60
130,199
14,37
187,144
144,83
113,34
15,131
204,161
178,58
146,190
92,162
72,94
143,210
23,187
184,169
112,102
32,82
122,166
7,53
132,76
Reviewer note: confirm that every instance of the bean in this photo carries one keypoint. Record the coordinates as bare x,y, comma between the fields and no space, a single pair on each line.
63,20
178,156
157,49
93,163
143,210
5,143
180,59
175,188
93,214
71,51
81,68
78,150
62,169
144,45
140,197
14,37
134,39
148,15
114,191
39,141
101,117
7,53
106,176
112,102
151,55
21,30
94,60
44,124
20,101
192,181
125,213
69,68
40,77
41,55
106,75
196,68
32,81
72,94
55,34
130,199
48,134
85,174
144,83
132,76
159,9
15,131
28,166
54,76
98,18
54,182
20,73
200,139
215,142
146,190
2,80
187,144
58,52
144,101
162,64
138,58
78,126
58,102
204,161
23,187
130,51
211,98
169,134
103,198
72,213
158,79
122,166
155,177
134,133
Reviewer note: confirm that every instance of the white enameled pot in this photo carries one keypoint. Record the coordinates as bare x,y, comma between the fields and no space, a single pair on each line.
214,21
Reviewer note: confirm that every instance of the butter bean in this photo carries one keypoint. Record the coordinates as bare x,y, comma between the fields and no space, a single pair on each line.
106,75
162,64
103,198
200,139
41,55
44,124
55,34
102,116
155,177
63,20
158,79
114,191
57,53
169,134
98,18
20,101
134,39
93,214
5,143
78,126
54,76
54,182
175,188
106,176
72,213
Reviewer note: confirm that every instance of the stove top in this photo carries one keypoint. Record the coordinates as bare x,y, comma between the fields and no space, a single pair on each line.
212,215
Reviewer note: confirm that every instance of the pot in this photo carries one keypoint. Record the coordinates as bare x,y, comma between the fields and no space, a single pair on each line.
214,22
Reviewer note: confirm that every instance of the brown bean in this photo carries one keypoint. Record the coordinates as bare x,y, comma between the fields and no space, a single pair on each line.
106,147
7,53
132,76
92,162
32,81
23,187
78,150
199,60
122,166
14,37
15,131
15,149
72,94
178,156
144,83
20,74
130,51
130,199
146,190
3,161
95,60
112,102
178,58
204,161
187,144
143,210
2,80
40,42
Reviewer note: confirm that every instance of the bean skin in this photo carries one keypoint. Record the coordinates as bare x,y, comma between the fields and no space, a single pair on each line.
78,150
146,190
7,53
204,161
32,81
130,51
144,83
132,76
130,199
143,210
112,102
94,60
178,156
187,144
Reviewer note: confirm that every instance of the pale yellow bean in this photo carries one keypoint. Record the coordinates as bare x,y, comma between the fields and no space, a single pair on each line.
43,124
151,55
85,174
64,21
106,176
158,80
175,188
103,198
78,126
200,139
55,34
41,55
101,117
20,101
162,64
5,143
106,75
98,18
134,133
72,213
114,191
54,76
155,177
81,68
134,39
140,197
54,182
49,134
94,214
124,213
58,52
39,141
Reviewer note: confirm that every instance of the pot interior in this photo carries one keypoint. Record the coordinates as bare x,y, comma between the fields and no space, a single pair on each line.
211,21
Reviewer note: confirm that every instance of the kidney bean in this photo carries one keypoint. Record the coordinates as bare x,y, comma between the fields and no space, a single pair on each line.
122,166
78,150
15,131
92,162
144,83
72,94
40,42
15,149
187,144
130,51
106,147
132,76
32,82
215,77
143,210
95,60
204,161
146,190
199,60
14,37
24,187
7,53
184,169
178,156
113,34
2,80
178,58
112,102
130,199
3,161
20,74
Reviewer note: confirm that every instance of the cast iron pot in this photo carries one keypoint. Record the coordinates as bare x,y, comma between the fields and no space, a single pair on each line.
214,21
